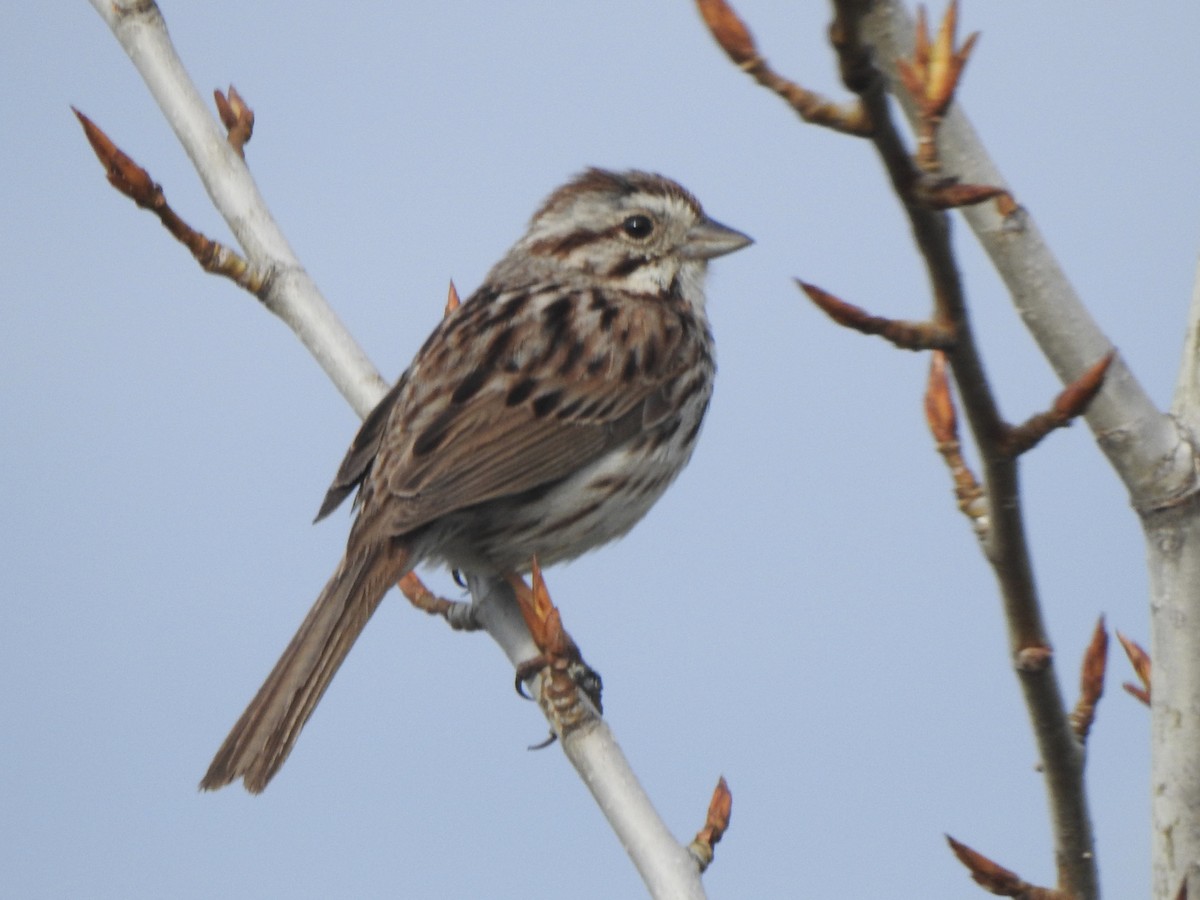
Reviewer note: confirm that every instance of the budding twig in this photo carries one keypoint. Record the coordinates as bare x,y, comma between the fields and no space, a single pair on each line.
716,822
943,424
1091,682
1071,402
931,78
993,877
936,69
135,183
237,117
1140,660
452,301
946,193
903,334
731,33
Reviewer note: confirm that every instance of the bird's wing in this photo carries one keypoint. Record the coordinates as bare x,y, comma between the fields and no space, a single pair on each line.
362,451
535,406
485,448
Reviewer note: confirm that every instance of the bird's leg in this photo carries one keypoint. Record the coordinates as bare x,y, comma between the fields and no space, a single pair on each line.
558,651
459,614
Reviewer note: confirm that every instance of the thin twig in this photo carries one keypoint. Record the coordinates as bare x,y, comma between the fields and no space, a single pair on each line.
901,333
291,294
1071,402
1006,545
732,35
135,183
996,879
943,424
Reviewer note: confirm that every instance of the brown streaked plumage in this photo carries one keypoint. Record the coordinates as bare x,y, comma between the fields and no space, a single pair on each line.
543,417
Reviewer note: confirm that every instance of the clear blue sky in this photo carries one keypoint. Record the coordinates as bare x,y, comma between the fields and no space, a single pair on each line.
805,612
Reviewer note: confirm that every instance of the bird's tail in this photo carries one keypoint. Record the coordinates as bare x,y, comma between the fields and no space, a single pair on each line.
263,737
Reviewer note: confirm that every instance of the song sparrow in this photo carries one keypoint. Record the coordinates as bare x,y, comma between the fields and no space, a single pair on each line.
542,417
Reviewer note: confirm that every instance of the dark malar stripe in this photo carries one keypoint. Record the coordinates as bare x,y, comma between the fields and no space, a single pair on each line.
628,266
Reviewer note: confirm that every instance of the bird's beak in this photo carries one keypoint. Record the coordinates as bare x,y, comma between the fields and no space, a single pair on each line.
709,238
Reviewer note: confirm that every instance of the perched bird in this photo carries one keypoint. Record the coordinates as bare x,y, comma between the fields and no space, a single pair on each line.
543,417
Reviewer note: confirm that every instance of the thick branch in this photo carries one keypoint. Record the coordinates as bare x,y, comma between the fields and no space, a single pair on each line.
1143,445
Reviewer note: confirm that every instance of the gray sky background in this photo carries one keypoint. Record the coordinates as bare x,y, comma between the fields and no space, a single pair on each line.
805,612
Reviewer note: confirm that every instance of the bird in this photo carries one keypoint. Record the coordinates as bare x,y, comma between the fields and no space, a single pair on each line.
543,417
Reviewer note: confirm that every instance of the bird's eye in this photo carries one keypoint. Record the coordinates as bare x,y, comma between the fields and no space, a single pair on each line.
638,227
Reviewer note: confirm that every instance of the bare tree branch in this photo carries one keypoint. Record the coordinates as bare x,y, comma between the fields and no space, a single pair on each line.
731,33
931,77
1157,466
291,294
1153,453
666,866
1005,544
996,879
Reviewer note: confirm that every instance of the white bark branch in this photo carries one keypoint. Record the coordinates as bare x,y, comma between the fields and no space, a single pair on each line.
665,865
1152,452
290,293
1185,405
1142,443
1173,559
